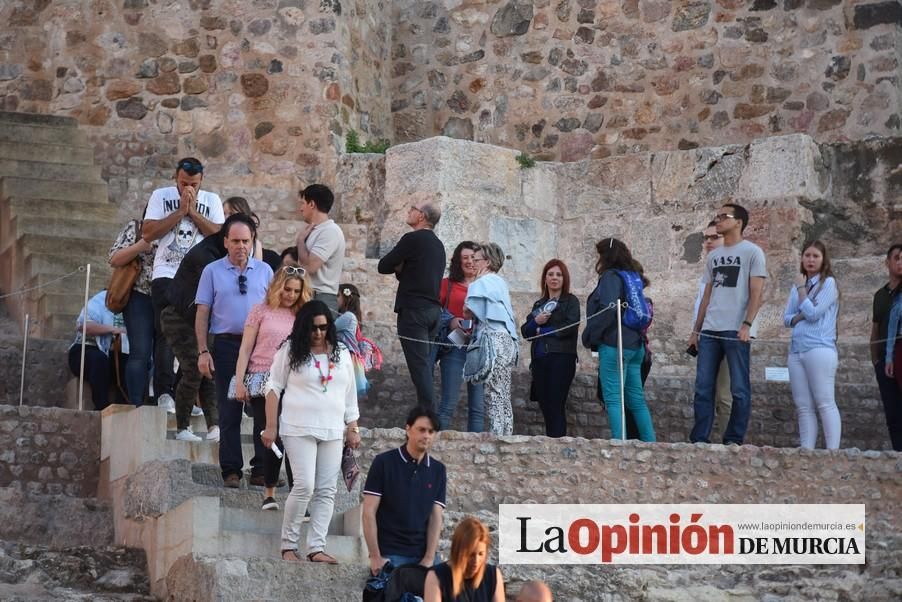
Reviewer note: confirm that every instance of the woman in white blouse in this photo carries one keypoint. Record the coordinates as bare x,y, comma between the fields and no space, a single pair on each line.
319,413
811,313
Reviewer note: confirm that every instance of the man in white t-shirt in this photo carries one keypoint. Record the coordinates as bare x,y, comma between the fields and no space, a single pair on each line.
734,283
321,244
178,217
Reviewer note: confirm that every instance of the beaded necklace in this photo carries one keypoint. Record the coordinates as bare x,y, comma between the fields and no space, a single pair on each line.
324,379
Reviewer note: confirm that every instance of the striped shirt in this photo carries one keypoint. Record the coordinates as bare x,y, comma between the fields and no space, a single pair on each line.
818,326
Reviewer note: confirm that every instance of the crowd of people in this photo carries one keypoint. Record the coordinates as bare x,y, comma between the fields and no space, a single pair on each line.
278,336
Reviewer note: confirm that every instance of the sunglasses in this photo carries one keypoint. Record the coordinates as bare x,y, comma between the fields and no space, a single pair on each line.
294,270
713,236
722,216
191,167
321,327
242,284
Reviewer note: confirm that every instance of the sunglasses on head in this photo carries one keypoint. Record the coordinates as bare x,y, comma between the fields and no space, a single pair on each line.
294,270
242,284
191,167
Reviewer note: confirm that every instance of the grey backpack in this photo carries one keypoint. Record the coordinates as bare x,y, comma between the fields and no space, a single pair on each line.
480,358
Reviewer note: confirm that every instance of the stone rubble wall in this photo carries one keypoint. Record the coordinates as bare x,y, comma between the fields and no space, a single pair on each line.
570,79
264,92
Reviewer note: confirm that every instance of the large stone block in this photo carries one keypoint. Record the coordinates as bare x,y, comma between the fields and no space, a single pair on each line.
696,179
783,166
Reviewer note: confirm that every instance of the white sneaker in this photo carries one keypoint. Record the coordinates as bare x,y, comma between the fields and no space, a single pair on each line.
166,402
196,411
186,435
213,434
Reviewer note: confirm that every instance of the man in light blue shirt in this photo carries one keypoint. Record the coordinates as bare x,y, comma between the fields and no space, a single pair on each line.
228,289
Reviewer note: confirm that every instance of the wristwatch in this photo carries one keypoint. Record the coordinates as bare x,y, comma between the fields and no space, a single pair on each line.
747,323
354,429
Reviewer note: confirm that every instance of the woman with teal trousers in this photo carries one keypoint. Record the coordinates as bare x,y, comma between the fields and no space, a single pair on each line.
620,278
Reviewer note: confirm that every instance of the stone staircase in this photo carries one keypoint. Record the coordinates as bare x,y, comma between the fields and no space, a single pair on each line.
55,217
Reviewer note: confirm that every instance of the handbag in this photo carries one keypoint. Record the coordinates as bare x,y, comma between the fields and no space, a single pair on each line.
254,382
480,358
441,339
122,281
350,469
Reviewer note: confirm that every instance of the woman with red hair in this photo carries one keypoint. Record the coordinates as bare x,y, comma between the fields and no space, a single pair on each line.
553,326
467,576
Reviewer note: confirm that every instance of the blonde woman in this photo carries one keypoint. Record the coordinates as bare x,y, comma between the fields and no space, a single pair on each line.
267,326
467,576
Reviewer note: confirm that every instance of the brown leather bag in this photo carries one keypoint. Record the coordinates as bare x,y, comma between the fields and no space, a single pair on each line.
121,284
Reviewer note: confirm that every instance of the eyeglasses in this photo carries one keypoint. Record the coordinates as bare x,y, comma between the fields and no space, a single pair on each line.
191,167
321,327
708,237
242,284
415,208
294,270
722,216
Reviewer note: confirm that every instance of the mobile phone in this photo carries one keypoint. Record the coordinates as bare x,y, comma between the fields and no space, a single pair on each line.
466,324
692,350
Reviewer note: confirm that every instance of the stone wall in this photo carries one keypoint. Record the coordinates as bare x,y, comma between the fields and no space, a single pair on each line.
571,79
49,451
263,92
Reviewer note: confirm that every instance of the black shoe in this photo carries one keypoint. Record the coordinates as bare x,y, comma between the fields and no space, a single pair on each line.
270,504
259,481
232,481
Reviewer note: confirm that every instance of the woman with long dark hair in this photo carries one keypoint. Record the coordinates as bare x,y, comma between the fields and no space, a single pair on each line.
811,313
319,413
452,294
620,279
467,576
554,322
268,324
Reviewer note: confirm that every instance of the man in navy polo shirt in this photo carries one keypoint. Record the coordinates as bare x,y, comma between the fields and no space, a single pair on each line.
404,497
228,289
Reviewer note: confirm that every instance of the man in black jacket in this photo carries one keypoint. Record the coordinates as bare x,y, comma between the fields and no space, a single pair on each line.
418,262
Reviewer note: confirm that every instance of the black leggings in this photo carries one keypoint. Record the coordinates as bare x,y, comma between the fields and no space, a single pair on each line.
271,464
99,373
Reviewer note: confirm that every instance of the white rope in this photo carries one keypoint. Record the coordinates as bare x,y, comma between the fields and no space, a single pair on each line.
22,291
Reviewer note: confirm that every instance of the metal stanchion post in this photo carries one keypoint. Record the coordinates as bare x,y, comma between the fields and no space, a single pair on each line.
620,370
24,352
84,340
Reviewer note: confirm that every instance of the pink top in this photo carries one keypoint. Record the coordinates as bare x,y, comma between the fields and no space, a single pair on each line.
273,327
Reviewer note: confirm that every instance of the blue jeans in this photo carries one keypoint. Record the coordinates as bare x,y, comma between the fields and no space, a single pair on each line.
397,561
633,393
138,314
225,359
451,365
711,352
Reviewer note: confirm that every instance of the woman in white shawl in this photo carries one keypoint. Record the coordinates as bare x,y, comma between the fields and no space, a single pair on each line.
489,303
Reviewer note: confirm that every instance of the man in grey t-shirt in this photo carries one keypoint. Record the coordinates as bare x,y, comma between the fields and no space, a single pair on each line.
734,283
321,244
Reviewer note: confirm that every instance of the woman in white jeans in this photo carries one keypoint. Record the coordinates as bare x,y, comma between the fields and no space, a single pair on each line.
811,313
319,413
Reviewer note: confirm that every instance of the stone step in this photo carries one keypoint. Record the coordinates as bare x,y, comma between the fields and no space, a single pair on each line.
47,153
103,211
38,119
49,171
52,303
51,283
42,134
57,263
77,245
90,192
63,227
199,425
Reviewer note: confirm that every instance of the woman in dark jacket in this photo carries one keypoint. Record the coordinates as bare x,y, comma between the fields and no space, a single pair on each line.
555,315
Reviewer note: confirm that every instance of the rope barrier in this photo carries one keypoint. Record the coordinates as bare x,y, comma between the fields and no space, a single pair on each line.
80,270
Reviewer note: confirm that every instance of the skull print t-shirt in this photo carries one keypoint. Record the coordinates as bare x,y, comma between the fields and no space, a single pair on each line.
728,270
177,242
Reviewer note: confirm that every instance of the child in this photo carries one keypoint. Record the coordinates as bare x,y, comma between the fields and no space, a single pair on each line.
347,327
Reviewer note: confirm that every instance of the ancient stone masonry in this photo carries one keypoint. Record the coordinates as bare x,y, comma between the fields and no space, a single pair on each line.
264,92
568,79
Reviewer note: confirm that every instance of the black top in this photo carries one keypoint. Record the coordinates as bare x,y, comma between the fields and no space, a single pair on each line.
883,303
484,593
408,490
272,259
562,341
421,256
602,329
183,288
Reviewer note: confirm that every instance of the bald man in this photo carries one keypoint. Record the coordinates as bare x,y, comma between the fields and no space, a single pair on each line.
535,591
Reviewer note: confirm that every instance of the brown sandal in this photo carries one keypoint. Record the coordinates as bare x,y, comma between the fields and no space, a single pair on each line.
321,556
294,557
